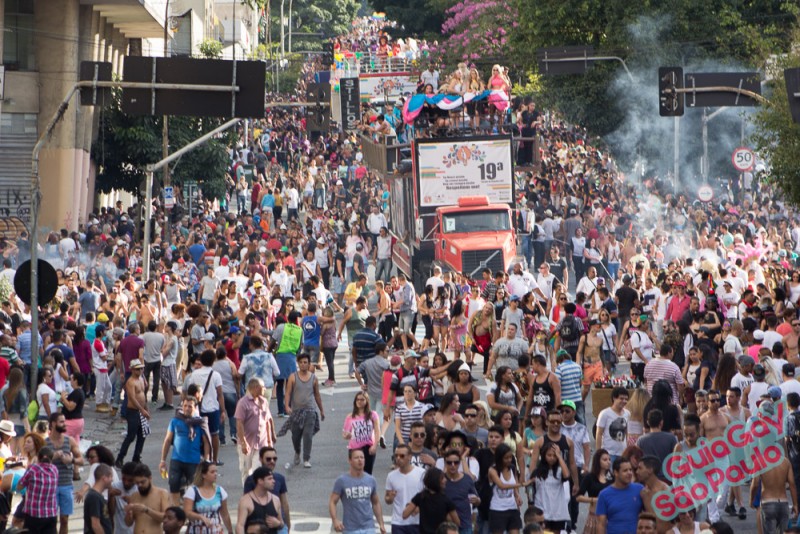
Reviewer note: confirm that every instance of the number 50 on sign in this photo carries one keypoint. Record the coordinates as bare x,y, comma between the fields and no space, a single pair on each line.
743,159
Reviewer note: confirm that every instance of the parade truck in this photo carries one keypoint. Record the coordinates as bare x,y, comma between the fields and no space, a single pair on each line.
454,207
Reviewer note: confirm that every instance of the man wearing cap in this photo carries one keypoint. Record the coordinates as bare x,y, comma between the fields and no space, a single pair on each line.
136,414
757,389
790,384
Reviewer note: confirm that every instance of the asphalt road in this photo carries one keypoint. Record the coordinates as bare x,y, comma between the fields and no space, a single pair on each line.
308,488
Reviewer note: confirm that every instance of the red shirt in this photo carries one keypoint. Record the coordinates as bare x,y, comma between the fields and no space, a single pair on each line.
233,354
5,369
129,348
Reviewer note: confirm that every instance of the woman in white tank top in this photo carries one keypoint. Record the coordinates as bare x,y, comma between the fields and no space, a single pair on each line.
506,502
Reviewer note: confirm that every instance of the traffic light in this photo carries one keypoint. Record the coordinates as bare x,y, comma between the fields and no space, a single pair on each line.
670,102
327,55
792,77
318,115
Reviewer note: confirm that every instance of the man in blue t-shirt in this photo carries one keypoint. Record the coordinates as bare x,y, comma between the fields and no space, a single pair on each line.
312,331
618,505
185,436
358,493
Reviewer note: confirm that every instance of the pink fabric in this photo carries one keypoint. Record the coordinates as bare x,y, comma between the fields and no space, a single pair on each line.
74,428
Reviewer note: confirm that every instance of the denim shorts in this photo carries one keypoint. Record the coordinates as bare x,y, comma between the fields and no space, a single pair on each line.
213,421
66,498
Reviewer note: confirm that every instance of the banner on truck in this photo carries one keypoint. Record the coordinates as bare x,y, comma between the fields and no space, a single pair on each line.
387,86
452,169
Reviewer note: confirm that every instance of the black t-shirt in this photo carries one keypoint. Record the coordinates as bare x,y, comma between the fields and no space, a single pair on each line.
485,459
433,510
78,397
591,487
626,298
339,257
94,505
557,267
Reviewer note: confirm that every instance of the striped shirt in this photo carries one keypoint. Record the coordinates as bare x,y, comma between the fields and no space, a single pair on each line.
41,482
569,374
407,416
659,369
24,346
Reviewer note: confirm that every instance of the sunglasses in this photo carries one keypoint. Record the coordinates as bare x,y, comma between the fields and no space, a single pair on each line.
271,459
452,462
470,415
418,435
399,455
713,400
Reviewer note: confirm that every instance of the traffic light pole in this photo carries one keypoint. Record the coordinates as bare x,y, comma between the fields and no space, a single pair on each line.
36,190
150,169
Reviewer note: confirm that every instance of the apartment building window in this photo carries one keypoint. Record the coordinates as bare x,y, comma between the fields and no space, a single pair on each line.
18,49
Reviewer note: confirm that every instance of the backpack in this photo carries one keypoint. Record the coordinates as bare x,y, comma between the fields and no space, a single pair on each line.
569,329
33,412
424,384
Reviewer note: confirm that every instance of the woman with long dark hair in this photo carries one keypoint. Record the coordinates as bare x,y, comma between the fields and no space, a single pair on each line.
506,501
362,429
661,398
600,477
432,505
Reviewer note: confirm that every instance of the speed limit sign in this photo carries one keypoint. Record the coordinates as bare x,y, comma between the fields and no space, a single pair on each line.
743,159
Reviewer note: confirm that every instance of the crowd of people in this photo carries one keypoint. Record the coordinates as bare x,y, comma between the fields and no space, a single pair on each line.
252,296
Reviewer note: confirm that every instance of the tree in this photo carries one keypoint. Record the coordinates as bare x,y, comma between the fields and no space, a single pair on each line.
777,137
125,145
645,34
416,17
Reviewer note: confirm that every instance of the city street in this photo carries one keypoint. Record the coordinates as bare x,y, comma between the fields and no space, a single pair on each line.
308,488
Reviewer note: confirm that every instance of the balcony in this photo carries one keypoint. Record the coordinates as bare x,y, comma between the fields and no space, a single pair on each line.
135,19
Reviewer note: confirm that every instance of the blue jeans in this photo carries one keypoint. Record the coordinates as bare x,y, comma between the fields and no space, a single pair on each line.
230,410
383,269
580,412
613,269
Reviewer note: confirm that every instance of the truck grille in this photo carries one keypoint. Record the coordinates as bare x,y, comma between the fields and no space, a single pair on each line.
477,259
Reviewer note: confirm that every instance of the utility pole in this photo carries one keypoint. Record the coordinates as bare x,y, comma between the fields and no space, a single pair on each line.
290,26
164,146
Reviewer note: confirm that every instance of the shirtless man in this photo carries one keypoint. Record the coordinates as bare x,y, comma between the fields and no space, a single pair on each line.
774,505
145,510
647,474
712,425
734,411
791,341
691,433
260,503
713,422
589,351
136,393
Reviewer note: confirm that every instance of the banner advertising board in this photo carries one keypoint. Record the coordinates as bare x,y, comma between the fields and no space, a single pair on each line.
450,169
350,99
387,86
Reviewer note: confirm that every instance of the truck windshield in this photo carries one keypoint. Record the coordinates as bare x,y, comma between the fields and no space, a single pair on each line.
475,221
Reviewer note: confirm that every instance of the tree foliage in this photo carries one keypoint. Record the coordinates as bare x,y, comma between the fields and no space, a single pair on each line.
777,137
125,145
476,29
644,34
417,17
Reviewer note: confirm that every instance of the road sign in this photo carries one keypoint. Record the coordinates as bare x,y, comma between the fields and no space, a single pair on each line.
705,193
213,74
99,72
564,59
169,197
792,77
47,281
750,81
350,98
743,159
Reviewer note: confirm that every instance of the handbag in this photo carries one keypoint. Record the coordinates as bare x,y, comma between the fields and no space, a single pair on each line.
613,359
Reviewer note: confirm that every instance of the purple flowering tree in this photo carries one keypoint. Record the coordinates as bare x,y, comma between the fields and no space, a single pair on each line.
477,31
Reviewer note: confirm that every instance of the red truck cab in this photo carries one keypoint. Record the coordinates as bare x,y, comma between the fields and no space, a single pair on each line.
475,235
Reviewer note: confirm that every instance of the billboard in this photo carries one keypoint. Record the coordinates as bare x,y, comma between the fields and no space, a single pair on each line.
448,169
350,105
387,86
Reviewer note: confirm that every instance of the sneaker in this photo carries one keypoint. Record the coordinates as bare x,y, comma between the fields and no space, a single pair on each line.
307,464
742,513
220,463
118,463
234,441
382,442
297,459
222,442
113,412
730,509
165,407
